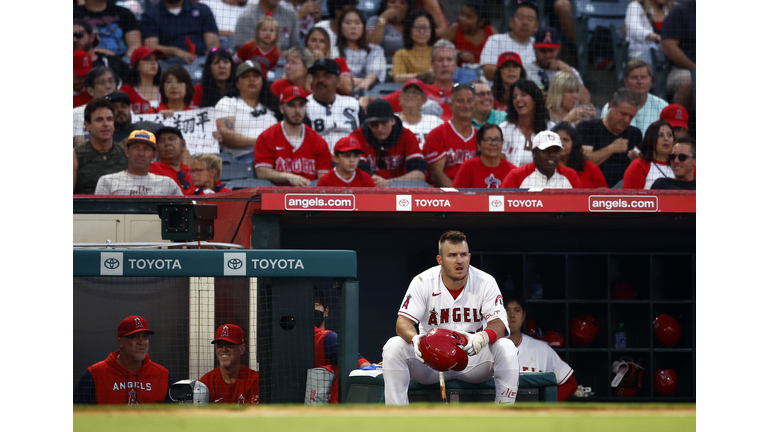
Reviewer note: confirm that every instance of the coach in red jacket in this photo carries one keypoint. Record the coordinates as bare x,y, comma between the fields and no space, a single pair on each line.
127,376
545,172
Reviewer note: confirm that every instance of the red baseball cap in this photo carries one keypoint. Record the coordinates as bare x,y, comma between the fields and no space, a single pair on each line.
507,57
230,333
675,115
81,63
418,83
143,52
291,93
347,144
133,324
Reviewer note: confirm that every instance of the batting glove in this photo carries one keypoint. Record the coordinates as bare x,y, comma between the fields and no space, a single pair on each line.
415,341
476,342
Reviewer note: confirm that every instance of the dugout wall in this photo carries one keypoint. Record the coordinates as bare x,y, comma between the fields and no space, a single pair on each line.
186,294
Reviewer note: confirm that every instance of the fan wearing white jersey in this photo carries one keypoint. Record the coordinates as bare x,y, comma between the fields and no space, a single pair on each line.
536,355
331,115
456,296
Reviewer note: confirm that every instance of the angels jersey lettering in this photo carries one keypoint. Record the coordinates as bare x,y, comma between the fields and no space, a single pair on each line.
275,151
446,142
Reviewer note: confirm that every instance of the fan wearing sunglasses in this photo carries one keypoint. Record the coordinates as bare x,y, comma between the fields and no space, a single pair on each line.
171,146
652,164
546,46
682,159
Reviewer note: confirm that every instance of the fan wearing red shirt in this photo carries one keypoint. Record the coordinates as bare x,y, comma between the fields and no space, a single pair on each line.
545,172
346,155
231,382
171,146
488,169
81,66
390,151
453,142
573,157
290,152
470,32
127,376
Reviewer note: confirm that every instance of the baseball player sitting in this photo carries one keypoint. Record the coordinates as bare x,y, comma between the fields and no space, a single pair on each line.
127,376
231,382
535,355
456,296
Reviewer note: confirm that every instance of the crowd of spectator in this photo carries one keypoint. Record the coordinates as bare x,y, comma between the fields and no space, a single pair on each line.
468,106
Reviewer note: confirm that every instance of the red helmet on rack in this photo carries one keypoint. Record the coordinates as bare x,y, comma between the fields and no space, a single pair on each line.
667,331
441,351
623,290
628,380
665,382
553,338
584,329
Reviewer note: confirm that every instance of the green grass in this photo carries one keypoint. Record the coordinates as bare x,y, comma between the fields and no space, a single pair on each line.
374,418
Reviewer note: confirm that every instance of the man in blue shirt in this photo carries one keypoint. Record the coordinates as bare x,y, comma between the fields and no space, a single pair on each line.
174,26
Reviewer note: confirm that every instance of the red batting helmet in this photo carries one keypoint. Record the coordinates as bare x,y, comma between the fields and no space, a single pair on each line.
531,329
667,331
665,382
584,329
441,351
628,380
553,338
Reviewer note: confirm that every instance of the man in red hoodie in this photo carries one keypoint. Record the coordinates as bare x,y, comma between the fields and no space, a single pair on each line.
127,376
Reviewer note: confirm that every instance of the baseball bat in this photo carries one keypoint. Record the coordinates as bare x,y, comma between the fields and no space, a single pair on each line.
442,387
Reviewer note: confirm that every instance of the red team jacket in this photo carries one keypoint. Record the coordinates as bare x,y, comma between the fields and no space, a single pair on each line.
474,174
245,389
404,150
445,142
321,360
359,179
139,105
108,382
273,150
251,51
516,177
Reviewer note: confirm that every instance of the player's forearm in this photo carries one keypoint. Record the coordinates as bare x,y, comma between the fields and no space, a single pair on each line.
376,34
567,389
497,327
273,175
401,78
168,51
414,175
345,84
438,177
405,328
229,137
211,41
132,41
599,156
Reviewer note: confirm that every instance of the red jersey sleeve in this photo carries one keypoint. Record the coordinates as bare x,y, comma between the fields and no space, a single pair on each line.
595,175
634,176
245,52
512,180
263,153
323,158
343,66
435,145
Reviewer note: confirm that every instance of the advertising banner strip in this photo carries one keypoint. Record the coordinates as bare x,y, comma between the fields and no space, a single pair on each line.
215,263
470,203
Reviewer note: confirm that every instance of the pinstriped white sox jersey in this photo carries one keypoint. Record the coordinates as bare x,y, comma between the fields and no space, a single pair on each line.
428,303
538,356
334,122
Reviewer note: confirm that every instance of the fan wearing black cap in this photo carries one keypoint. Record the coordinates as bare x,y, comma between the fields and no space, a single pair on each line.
332,115
127,376
136,180
390,152
123,115
171,147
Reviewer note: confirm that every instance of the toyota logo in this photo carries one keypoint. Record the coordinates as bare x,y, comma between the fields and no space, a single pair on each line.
496,203
111,263
234,263
403,203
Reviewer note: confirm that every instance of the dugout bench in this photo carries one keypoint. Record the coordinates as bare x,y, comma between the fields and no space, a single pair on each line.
534,387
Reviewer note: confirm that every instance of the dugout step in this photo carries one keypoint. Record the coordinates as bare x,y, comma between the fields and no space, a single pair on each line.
534,387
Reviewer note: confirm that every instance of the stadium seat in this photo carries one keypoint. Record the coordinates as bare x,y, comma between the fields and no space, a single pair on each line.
619,185
588,15
660,71
620,51
313,182
410,184
383,89
237,170
226,158
248,183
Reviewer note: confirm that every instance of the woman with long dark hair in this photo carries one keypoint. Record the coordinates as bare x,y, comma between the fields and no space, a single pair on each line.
142,84
418,39
652,164
218,75
509,69
526,116
366,61
573,157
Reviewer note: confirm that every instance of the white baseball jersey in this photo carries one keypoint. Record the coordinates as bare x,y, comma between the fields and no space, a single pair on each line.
429,303
422,128
538,356
335,121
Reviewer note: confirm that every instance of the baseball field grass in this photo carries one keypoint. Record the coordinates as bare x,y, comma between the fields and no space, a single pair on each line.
570,417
